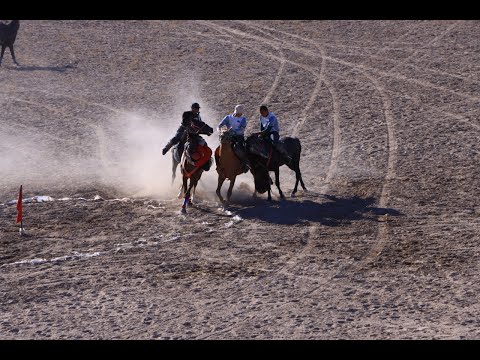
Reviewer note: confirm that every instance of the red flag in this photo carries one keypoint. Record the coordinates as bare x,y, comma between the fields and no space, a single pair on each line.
19,206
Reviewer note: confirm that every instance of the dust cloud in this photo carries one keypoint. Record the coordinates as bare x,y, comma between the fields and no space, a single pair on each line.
122,151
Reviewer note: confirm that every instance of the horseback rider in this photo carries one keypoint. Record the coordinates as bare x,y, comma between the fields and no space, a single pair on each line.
237,123
187,132
269,130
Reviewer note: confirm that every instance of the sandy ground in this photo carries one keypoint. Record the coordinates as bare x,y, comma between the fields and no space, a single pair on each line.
384,245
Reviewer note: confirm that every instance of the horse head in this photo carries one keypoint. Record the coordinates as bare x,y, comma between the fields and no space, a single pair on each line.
261,177
225,134
201,128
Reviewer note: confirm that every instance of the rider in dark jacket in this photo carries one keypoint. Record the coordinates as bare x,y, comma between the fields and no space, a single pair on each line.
188,130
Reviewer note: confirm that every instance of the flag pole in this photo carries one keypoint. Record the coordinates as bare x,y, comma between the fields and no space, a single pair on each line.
19,211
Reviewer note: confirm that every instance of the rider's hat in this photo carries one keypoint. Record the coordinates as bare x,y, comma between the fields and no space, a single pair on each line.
195,106
238,109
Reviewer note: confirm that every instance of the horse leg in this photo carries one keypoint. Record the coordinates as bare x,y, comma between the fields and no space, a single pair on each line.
174,167
230,188
185,200
1,54
277,182
299,175
297,179
13,55
183,186
221,179
269,195
190,200
294,191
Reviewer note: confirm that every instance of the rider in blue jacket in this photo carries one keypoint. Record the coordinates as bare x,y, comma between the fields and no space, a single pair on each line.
269,130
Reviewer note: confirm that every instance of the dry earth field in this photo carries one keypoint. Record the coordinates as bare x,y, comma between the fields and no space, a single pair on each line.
384,245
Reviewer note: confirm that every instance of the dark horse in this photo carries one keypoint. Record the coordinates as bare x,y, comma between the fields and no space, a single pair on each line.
194,161
8,34
264,158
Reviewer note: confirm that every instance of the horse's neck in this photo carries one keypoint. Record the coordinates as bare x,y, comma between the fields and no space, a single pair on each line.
226,149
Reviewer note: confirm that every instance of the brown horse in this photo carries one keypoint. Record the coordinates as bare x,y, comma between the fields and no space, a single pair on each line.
193,166
194,173
228,164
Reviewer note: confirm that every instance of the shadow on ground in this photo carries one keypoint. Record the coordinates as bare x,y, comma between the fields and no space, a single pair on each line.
43,68
327,210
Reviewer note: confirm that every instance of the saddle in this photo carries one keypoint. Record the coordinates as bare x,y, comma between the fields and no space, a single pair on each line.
200,157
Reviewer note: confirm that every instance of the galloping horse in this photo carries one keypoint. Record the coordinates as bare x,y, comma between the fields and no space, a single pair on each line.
228,164
194,161
264,159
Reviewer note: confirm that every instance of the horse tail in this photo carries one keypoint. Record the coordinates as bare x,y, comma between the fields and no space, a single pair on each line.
293,146
298,146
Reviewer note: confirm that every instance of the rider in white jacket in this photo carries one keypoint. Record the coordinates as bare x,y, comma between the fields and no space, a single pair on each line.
237,123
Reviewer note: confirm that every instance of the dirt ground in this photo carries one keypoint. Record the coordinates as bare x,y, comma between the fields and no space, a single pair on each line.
384,245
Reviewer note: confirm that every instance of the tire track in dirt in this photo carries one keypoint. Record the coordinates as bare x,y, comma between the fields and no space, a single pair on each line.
224,30
440,110
336,147
293,261
400,62
384,73
413,66
320,78
312,230
382,233
431,42
398,76
283,60
280,70
318,83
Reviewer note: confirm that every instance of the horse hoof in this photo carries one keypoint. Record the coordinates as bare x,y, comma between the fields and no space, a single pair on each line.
183,211
292,194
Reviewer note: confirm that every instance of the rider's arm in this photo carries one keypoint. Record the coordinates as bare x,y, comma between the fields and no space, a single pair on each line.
273,123
243,124
224,122
267,130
